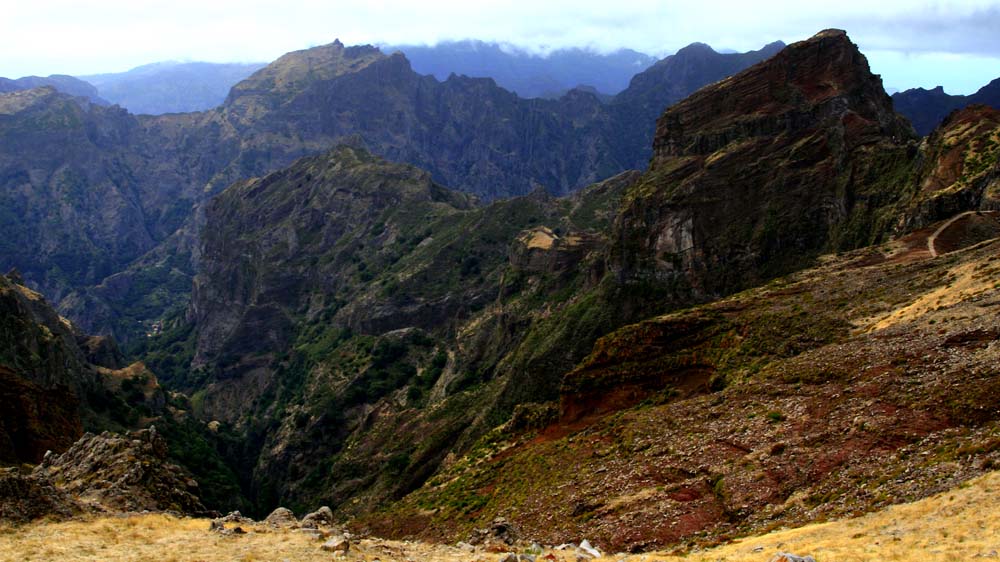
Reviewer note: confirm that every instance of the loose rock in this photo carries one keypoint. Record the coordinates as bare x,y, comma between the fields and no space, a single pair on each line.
282,517
785,557
337,544
321,517
586,547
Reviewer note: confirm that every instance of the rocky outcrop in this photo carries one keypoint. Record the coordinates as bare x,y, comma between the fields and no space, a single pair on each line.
26,497
752,175
100,473
122,473
541,250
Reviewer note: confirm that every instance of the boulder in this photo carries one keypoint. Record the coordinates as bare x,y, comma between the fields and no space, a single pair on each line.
322,517
235,517
282,517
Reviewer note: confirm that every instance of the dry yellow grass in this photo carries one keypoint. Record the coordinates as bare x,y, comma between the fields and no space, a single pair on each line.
965,283
963,524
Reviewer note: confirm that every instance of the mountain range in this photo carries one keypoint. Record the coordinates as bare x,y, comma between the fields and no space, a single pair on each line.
528,75
132,260
926,109
742,293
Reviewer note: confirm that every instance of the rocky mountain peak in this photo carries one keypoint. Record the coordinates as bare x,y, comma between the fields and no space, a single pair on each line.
295,70
755,171
824,78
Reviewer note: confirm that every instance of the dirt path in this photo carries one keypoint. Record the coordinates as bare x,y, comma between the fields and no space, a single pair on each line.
933,237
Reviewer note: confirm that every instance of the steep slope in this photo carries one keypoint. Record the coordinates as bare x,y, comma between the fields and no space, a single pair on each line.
960,170
756,174
171,87
346,290
58,382
927,109
71,211
526,74
866,381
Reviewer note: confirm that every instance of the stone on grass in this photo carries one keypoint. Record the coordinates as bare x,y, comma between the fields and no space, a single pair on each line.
336,544
786,557
586,547
321,517
282,517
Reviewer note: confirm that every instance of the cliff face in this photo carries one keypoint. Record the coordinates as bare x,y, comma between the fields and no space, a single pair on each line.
265,237
754,174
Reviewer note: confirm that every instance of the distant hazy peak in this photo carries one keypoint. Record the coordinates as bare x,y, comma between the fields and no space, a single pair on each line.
61,82
697,47
289,71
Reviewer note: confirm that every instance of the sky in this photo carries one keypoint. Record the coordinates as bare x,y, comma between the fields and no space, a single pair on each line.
911,43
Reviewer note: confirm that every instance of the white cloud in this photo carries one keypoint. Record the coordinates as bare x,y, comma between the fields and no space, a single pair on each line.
79,37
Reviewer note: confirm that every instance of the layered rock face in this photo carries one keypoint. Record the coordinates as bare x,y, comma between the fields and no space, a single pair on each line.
754,174
669,81
960,170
